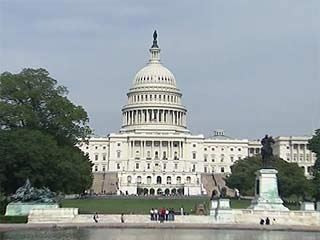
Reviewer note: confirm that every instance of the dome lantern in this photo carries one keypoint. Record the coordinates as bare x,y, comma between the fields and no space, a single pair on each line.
155,50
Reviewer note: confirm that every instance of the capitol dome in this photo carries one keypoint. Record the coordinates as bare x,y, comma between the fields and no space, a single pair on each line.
154,101
154,73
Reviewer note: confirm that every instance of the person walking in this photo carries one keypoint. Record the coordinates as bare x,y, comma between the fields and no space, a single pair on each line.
95,217
122,218
152,214
155,214
167,214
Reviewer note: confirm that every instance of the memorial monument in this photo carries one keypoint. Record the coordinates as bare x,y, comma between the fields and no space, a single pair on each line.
28,197
266,186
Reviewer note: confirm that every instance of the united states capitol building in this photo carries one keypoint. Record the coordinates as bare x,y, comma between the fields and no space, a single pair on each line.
155,153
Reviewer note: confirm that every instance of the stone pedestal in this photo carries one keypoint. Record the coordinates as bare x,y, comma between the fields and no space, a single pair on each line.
266,191
214,205
307,206
23,209
221,211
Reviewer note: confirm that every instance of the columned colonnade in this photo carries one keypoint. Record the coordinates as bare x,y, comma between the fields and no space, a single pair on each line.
159,116
166,149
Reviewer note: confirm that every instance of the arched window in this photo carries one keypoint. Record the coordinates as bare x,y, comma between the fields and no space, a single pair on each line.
148,180
168,180
159,180
156,155
129,179
178,180
139,180
188,179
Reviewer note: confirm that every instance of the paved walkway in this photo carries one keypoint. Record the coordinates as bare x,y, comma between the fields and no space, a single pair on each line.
12,227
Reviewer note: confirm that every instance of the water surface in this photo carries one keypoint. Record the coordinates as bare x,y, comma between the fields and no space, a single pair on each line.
154,234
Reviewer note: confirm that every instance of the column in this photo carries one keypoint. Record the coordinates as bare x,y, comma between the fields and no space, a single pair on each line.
143,149
147,113
182,150
165,116
157,116
152,152
142,116
132,149
129,148
160,151
135,116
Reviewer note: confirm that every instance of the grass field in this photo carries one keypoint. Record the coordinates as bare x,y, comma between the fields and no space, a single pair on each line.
134,206
13,219
143,206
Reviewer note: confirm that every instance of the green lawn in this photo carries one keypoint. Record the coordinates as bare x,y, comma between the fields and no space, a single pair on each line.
134,206
13,219
143,206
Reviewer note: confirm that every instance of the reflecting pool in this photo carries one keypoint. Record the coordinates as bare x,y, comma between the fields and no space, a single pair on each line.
154,234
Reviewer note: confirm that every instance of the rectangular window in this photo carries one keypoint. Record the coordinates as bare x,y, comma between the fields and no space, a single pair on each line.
176,166
96,168
164,166
96,157
104,168
222,169
205,157
205,169
137,165
104,157
118,154
118,166
231,158
148,165
194,155
193,168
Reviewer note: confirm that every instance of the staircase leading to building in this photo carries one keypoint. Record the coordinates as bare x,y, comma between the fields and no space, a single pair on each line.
104,183
216,182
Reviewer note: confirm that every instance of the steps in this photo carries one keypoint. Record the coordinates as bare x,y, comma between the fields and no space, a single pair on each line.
216,182
104,183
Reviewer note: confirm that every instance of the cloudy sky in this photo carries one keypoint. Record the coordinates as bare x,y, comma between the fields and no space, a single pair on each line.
249,67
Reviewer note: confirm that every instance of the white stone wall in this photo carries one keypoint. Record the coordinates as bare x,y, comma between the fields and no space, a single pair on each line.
239,216
295,149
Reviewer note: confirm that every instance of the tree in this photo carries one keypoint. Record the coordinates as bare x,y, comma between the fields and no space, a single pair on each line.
314,146
291,179
39,130
31,99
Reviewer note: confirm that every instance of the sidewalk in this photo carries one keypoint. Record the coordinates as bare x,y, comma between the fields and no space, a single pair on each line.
12,227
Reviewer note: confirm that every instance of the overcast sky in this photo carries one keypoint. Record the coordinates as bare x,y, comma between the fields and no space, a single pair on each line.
249,67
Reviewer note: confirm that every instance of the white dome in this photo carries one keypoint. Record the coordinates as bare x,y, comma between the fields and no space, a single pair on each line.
154,73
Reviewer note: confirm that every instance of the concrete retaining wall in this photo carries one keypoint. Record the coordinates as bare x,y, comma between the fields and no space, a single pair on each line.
239,216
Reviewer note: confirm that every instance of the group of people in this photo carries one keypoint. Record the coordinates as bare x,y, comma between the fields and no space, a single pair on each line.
162,214
267,221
